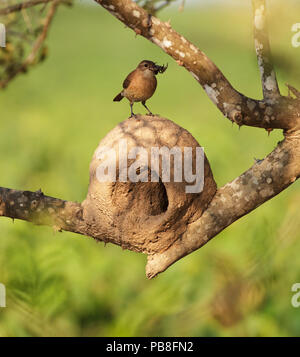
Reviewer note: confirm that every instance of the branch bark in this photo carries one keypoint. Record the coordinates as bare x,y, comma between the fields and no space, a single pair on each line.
263,51
39,209
235,106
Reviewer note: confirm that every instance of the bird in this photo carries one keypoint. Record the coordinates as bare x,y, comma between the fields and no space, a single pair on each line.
140,84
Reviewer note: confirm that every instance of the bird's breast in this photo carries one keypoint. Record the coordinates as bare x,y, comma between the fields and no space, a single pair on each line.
140,88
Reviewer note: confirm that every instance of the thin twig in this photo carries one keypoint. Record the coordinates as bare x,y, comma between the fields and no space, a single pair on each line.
37,45
293,90
22,5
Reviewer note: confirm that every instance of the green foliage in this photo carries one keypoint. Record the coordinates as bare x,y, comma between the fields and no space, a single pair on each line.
24,29
61,284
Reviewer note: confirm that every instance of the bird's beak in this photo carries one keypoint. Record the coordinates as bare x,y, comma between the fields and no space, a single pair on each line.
155,68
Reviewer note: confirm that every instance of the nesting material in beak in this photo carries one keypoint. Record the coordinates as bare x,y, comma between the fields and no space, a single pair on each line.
160,69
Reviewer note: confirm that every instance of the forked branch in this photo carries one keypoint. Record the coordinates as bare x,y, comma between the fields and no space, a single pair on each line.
234,105
265,179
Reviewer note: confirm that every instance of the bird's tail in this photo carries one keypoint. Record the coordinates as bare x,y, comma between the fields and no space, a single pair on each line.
118,97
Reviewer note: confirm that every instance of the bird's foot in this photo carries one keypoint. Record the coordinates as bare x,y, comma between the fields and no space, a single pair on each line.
269,130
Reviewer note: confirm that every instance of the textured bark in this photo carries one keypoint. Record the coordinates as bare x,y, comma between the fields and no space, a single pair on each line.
263,51
39,209
160,219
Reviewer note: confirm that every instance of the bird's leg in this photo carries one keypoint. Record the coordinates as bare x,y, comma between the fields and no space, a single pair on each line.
132,115
144,104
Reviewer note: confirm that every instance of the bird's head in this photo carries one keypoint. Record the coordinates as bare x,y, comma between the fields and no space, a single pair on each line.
151,66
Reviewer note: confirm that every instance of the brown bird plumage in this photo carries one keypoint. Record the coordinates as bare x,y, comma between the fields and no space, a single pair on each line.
140,84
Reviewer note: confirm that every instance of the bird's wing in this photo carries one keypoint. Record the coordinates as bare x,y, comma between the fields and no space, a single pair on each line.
128,79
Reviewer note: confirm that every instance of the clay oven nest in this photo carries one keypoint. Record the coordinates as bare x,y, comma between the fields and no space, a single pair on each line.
148,216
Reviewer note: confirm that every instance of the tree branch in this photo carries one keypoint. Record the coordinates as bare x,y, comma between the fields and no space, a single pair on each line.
39,209
26,5
183,51
234,105
264,180
294,91
262,47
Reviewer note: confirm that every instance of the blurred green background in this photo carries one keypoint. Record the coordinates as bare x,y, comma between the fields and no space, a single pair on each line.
51,120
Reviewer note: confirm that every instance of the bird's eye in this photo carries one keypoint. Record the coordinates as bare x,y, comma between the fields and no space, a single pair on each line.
146,65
